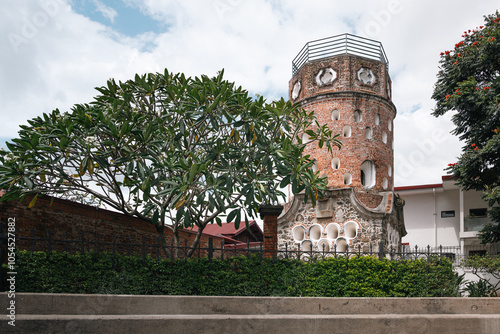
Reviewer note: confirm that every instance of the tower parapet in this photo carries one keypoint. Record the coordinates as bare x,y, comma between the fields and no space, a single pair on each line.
344,79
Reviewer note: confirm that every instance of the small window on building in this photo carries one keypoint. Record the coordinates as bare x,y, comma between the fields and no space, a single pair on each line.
368,174
368,132
358,115
335,163
347,179
384,137
478,212
346,131
377,119
448,214
335,115
315,166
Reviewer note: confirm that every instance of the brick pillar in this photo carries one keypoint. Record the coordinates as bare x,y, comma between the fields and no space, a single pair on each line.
270,213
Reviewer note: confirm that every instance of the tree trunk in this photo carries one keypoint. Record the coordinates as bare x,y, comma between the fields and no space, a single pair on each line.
164,246
196,241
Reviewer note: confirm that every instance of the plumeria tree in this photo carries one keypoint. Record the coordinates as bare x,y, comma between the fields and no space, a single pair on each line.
469,84
173,151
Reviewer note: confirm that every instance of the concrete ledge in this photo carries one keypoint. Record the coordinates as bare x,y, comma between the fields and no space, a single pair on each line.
276,324
65,313
45,303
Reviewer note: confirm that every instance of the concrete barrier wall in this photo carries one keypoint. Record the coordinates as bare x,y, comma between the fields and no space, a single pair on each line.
65,313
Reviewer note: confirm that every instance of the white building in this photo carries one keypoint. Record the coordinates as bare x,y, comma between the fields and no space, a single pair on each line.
444,215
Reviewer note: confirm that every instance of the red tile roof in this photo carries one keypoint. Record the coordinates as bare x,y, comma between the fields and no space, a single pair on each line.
227,229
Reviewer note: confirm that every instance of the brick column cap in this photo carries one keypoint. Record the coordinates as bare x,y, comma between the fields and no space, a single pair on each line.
270,210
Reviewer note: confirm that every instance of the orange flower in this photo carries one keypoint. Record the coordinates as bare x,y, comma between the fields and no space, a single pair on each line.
496,131
486,88
475,43
492,39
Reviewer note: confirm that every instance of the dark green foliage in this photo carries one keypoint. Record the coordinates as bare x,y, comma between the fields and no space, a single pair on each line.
481,288
241,276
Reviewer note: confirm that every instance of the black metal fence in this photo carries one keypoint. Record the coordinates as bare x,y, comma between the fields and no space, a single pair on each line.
95,243
10,241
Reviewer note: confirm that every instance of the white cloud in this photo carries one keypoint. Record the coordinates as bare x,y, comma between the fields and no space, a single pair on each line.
53,57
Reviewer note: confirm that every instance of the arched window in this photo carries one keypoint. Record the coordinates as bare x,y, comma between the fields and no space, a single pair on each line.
298,233
347,179
315,232
346,131
335,115
358,115
335,163
384,137
332,231
368,132
385,183
351,229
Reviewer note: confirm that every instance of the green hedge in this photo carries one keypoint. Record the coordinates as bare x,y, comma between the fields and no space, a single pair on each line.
333,277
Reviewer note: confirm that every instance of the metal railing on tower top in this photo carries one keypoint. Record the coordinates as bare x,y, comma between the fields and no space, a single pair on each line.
337,45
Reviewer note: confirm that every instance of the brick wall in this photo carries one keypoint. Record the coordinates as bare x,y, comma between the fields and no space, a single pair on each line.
346,95
63,219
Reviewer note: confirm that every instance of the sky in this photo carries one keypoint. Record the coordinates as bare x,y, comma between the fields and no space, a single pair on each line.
54,52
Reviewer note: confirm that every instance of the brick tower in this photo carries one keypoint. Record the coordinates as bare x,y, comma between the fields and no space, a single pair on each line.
345,80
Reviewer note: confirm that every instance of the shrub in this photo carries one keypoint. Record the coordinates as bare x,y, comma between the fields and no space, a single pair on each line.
358,276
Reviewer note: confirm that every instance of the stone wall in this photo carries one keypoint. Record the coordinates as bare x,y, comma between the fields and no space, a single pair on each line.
338,221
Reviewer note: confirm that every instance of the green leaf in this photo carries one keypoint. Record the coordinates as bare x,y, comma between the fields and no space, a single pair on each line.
232,215
156,215
83,166
33,201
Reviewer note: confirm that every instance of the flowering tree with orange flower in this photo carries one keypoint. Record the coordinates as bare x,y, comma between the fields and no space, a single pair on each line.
469,85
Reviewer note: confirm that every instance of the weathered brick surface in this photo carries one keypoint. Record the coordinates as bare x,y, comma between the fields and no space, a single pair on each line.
347,94
365,206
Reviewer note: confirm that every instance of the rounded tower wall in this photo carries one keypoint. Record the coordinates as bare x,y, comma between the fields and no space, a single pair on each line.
350,94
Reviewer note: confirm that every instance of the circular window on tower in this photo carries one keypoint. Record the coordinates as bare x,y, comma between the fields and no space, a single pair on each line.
368,174
298,233
366,76
325,76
